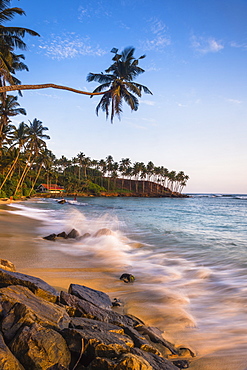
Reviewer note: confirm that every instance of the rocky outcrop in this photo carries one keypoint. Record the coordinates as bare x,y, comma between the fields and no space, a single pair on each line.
77,330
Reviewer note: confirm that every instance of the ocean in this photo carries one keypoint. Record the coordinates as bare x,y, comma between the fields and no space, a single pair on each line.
188,256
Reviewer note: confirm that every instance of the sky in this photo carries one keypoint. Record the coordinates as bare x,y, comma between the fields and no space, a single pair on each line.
195,66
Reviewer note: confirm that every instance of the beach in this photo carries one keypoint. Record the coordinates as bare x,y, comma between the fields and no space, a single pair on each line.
21,242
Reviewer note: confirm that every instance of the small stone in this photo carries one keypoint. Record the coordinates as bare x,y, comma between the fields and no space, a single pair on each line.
50,237
127,278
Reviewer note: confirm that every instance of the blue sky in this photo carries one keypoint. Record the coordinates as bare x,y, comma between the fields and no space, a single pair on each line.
196,54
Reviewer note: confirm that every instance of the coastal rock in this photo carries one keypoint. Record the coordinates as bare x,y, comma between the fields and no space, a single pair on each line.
130,361
127,278
93,296
156,362
7,265
21,307
39,348
84,236
62,235
37,286
90,311
51,237
73,234
7,360
102,232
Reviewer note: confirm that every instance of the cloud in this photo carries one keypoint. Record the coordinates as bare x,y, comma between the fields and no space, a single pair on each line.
234,44
69,46
94,9
234,101
147,102
206,45
160,39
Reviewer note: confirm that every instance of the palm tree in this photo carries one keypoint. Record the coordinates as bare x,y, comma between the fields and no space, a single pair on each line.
9,107
35,145
118,81
19,136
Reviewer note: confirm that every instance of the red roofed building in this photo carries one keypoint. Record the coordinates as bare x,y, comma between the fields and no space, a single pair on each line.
51,188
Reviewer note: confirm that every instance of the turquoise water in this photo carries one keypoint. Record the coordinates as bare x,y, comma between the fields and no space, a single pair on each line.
189,257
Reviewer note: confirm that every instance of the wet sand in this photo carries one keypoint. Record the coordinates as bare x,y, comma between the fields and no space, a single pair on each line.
22,244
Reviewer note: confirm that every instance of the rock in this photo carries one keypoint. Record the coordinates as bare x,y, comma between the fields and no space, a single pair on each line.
156,362
21,307
7,265
127,278
181,364
84,236
103,231
39,348
140,341
51,237
90,311
73,234
62,201
93,296
7,360
155,336
37,286
130,361
117,303
62,235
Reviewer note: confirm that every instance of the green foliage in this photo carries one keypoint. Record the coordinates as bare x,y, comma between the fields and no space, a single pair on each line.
94,188
3,194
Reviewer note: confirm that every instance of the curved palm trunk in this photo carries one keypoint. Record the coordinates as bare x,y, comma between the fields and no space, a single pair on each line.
10,170
23,175
45,86
36,178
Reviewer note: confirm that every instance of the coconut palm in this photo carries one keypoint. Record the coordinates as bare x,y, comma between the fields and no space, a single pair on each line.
118,81
9,107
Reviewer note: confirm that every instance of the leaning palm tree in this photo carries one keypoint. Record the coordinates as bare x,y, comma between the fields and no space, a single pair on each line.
9,107
118,81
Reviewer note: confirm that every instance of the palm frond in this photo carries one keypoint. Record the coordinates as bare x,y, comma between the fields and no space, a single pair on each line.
100,77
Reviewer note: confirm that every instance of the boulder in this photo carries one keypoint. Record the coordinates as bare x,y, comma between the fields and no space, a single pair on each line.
90,311
7,265
51,237
7,360
156,362
127,278
102,232
62,235
131,361
21,307
39,348
73,234
93,296
36,285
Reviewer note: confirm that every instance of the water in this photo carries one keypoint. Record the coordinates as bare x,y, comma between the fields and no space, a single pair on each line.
189,257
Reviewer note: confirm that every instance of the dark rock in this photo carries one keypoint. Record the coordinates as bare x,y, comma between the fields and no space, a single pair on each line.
93,296
51,237
181,364
140,341
22,307
127,278
7,265
84,236
37,286
39,348
116,302
156,362
7,360
90,311
73,234
102,364
102,232
62,201
62,235
155,336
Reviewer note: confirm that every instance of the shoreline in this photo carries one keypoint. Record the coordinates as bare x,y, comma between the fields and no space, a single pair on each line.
22,232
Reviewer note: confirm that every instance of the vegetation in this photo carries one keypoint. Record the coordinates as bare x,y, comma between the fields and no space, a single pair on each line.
25,159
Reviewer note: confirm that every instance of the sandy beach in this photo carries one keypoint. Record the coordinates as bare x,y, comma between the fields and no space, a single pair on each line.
22,244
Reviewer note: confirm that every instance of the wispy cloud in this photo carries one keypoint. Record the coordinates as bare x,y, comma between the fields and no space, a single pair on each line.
69,46
205,45
147,102
94,9
159,36
238,45
234,101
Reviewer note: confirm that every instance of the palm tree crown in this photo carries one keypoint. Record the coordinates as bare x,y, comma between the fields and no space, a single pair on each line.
118,80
